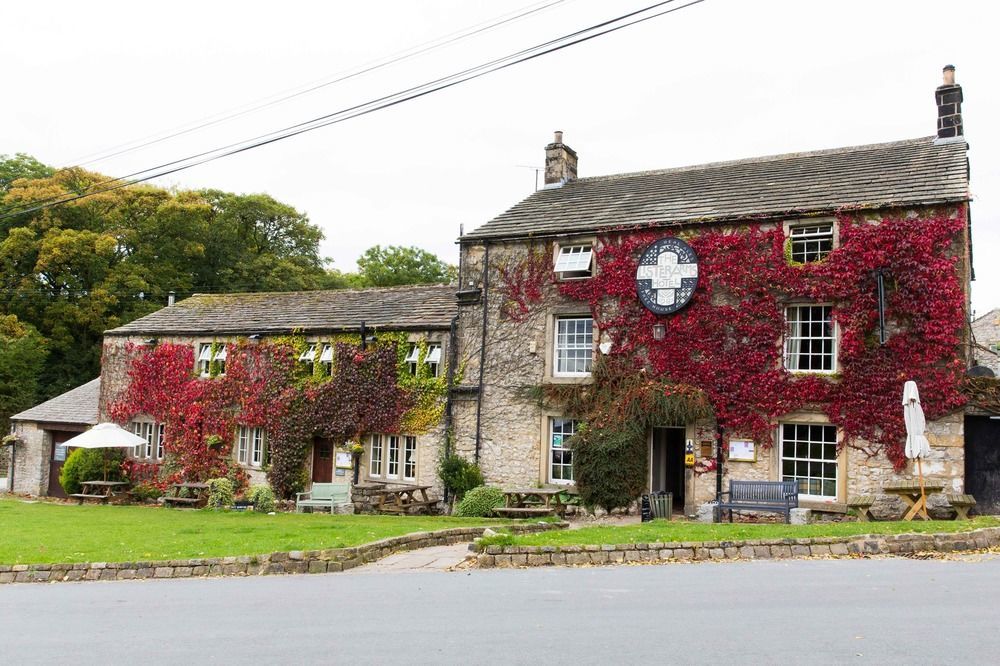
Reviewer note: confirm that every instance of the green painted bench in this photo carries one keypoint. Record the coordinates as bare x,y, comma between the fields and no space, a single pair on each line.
323,496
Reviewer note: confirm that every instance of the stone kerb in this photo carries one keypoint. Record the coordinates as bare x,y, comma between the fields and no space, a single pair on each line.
296,561
751,549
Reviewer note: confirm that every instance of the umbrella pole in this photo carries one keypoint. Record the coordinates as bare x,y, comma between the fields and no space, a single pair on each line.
105,464
923,495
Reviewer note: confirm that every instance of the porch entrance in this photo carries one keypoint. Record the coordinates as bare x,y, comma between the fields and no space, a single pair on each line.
322,460
56,459
982,462
667,464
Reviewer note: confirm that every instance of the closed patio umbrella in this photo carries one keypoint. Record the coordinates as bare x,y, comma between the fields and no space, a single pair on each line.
917,446
105,436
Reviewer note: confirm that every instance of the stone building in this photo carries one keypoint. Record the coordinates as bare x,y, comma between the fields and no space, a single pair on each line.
528,321
38,453
986,334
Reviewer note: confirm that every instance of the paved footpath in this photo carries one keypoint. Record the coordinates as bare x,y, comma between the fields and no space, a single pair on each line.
436,558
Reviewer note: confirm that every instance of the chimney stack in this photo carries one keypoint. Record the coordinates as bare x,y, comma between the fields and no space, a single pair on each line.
560,163
949,104
171,297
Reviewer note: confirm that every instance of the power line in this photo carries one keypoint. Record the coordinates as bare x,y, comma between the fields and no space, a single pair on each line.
387,101
339,77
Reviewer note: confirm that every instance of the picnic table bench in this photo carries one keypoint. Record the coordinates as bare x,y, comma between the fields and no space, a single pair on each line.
197,495
910,493
774,496
98,490
404,498
526,502
323,496
961,503
862,504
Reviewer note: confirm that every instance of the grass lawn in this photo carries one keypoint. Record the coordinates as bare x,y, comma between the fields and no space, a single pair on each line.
664,531
48,533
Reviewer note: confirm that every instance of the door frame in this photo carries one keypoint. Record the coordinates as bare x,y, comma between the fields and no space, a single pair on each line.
688,430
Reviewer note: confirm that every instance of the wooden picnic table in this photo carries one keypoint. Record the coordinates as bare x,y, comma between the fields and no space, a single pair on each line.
533,502
100,490
401,498
909,491
197,494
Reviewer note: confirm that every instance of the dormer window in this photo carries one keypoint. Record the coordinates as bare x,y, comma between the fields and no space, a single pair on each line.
413,359
810,242
433,359
574,262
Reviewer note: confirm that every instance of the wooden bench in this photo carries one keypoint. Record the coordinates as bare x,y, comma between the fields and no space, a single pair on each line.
84,496
98,490
515,511
862,504
196,495
773,496
404,499
323,496
961,504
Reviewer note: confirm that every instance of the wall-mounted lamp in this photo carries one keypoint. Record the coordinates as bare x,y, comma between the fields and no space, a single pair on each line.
151,341
659,332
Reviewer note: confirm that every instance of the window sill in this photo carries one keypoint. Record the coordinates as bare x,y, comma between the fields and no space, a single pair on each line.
568,379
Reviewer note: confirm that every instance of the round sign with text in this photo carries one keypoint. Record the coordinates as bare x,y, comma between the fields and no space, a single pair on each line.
667,275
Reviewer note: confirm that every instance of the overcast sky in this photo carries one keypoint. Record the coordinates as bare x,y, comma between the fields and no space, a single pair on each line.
719,80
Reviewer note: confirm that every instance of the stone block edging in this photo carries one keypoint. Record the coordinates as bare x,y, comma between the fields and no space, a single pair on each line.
296,561
750,549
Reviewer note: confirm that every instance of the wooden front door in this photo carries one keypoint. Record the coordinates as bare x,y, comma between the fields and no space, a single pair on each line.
322,461
56,459
982,462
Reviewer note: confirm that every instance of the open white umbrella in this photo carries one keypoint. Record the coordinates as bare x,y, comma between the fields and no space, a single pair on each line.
105,436
917,446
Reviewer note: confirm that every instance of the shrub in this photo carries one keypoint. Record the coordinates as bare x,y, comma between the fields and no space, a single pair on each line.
458,475
609,467
480,502
220,493
90,465
142,492
262,498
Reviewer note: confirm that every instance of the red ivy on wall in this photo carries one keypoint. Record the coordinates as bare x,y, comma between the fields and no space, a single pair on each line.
728,340
261,388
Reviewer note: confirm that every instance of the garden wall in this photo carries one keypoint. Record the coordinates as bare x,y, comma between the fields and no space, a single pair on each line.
751,549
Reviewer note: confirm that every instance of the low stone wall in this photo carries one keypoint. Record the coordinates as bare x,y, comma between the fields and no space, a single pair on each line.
751,549
294,562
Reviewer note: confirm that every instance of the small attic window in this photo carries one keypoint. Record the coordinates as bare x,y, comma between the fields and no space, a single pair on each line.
574,261
412,359
810,242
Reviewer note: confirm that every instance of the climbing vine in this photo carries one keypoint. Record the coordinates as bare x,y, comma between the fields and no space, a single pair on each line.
266,385
728,340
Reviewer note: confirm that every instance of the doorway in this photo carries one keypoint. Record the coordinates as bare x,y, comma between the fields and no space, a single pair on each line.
56,459
982,462
322,461
667,469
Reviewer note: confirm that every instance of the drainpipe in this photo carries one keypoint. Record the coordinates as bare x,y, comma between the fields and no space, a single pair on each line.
482,348
449,430
718,463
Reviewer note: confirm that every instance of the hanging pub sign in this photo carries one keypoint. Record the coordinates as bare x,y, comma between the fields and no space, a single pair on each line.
667,275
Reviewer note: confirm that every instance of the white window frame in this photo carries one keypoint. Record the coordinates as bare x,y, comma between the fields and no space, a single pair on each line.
433,358
204,359
412,359
561,449
258,448
137,431
326,358
557,348
809,461
790,341
243,445
376,462
811,234
309,355
574,261
409,457
220,358
160,429
393,459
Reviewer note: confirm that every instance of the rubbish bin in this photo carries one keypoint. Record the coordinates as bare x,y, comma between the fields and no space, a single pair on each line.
662,505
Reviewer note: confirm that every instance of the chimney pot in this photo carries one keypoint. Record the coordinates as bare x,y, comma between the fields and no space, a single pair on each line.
171,297
560,162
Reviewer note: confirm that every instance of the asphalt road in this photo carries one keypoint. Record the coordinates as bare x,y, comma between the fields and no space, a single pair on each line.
805,611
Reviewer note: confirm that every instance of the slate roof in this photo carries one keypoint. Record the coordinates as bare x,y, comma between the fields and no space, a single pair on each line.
396,308
78,405
900,173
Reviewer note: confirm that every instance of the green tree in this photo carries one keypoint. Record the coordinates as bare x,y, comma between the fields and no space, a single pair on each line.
78,269
22,358
396,265
21,166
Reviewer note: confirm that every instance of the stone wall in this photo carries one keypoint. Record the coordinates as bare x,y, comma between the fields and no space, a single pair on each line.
299,561
750,549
